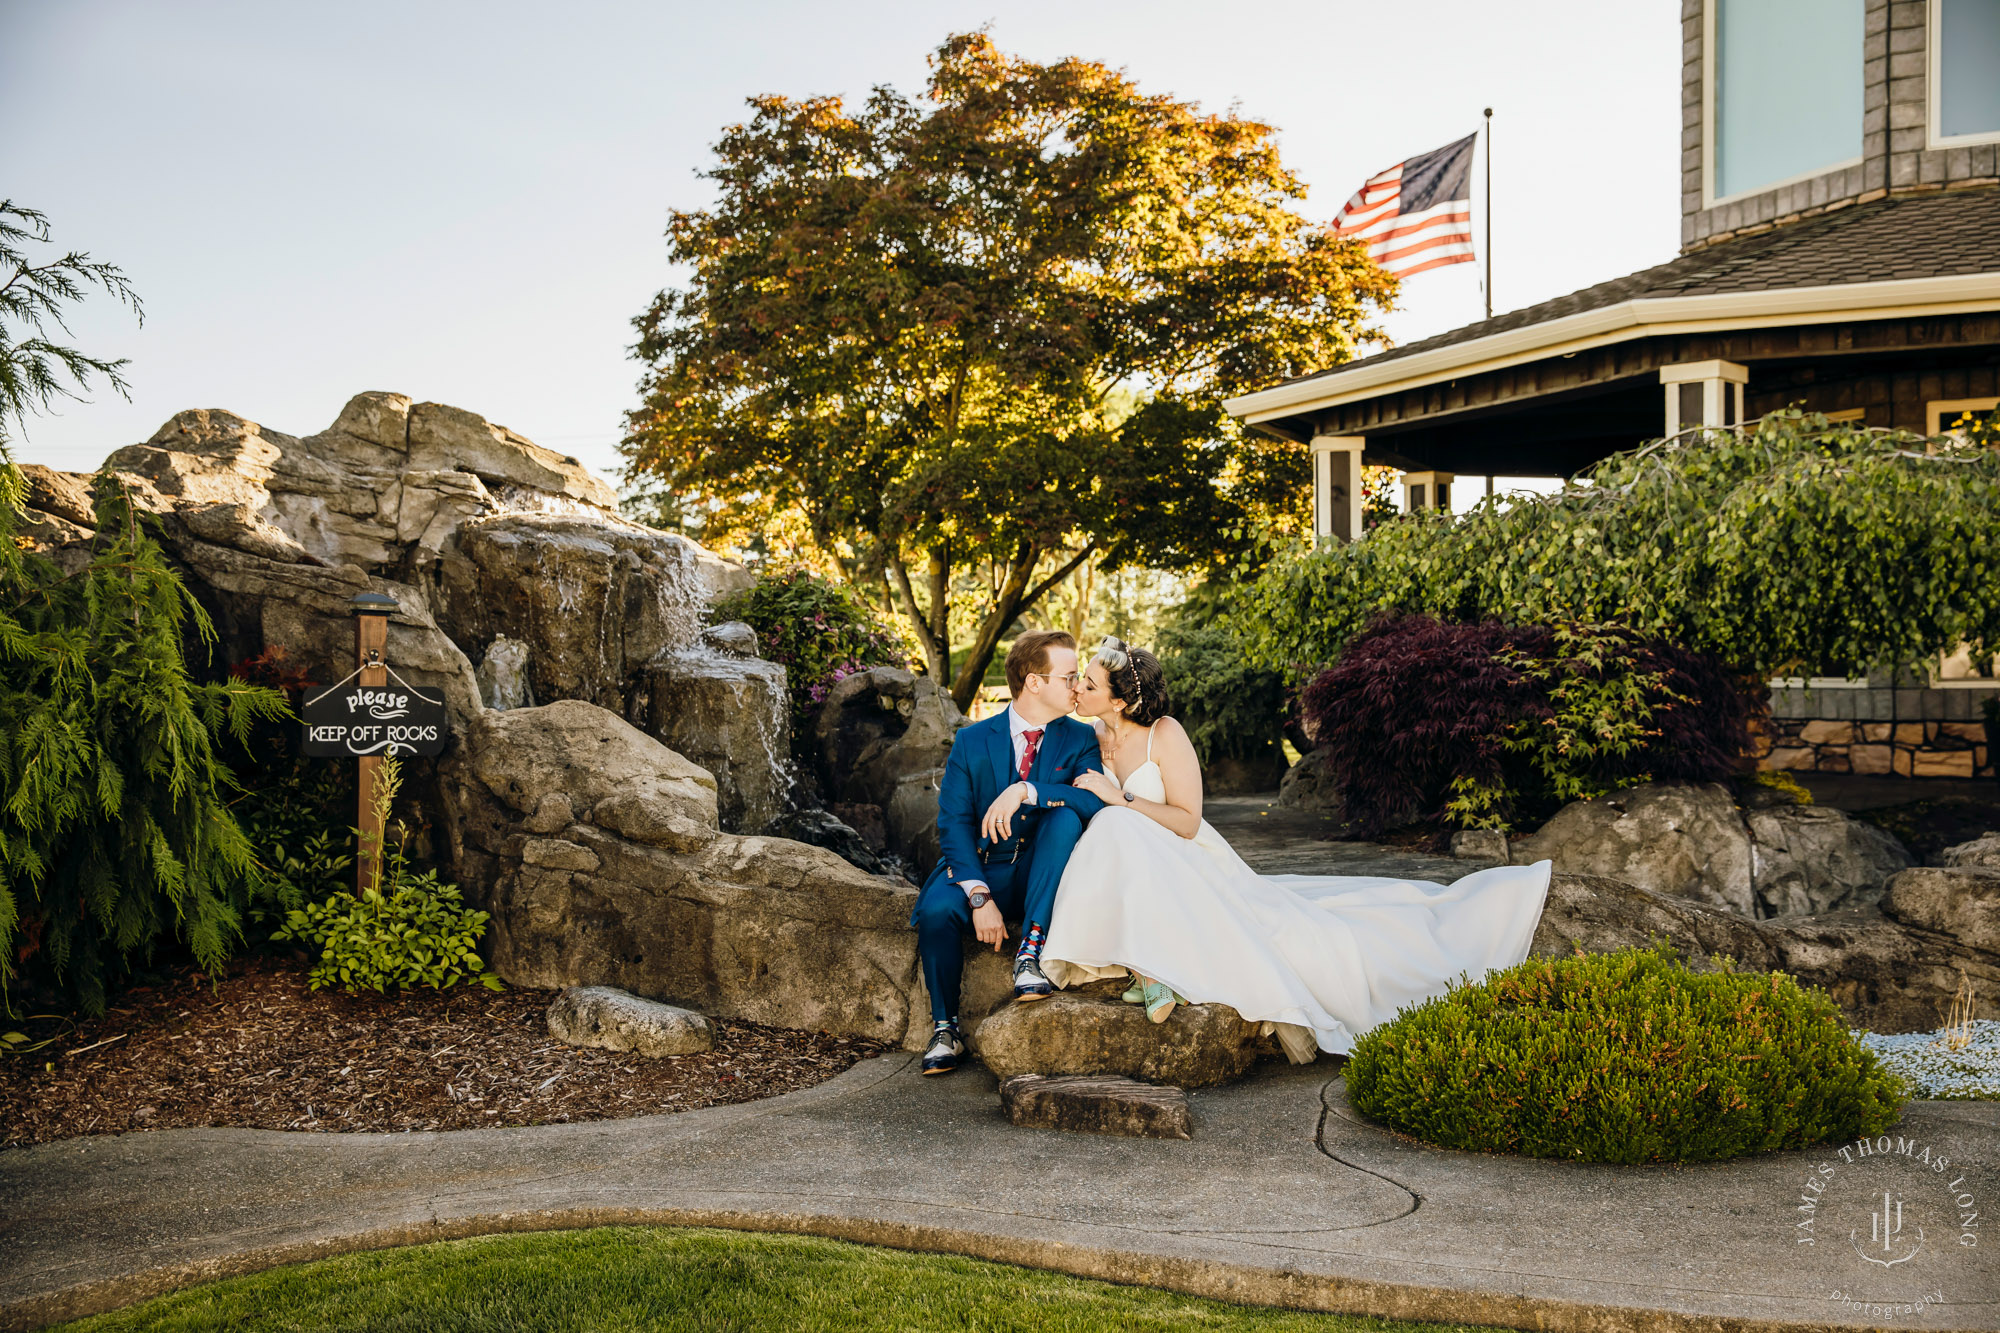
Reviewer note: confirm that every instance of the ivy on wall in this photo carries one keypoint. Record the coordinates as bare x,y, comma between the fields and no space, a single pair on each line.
1792,547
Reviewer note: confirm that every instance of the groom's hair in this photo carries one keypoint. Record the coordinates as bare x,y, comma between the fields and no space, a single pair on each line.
1030,655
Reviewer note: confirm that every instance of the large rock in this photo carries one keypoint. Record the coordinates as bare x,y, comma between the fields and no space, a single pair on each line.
730,714
598,852
616,1020
1981,851
1811,859
1097,1104
1884,975
1680,839
1308,785
1960,901
1245,775
882,737
1691,841
1090,1032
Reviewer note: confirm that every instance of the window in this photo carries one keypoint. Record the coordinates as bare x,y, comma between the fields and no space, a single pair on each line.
1941,414
1965,72
1784,92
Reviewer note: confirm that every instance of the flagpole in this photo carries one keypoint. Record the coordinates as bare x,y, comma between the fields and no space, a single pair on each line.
1489,212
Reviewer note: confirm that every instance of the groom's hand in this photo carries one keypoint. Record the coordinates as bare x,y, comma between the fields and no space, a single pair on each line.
989,925
998,822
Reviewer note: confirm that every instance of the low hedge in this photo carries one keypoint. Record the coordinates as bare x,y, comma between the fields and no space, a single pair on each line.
1624,1057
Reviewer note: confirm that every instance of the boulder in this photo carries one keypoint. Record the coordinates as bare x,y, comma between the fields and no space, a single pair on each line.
1884,975
1961,901
1307,785
617,1020
1091,1032
1810,859
503,675
1096,1104
882,738
599,854
822,828
733,637
1680,839
1981,851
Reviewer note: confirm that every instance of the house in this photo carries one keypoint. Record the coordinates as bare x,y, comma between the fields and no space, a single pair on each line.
1840,250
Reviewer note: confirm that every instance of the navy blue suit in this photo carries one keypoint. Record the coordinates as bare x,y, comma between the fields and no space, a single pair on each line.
1021,871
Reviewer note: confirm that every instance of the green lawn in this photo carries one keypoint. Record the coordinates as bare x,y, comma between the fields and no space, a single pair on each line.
657,1278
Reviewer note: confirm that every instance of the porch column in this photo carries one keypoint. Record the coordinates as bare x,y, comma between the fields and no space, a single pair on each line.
1704,393
1336,463
1428,490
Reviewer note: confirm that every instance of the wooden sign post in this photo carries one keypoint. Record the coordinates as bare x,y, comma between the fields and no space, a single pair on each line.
371,646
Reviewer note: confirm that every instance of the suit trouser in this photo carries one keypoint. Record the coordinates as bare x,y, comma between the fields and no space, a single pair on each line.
1024,890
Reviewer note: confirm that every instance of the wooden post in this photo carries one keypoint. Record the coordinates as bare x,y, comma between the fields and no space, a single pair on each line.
371,654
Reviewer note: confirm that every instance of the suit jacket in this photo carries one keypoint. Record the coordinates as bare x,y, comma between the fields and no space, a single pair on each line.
982,765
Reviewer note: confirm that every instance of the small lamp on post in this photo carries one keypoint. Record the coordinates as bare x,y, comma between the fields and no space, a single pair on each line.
371,642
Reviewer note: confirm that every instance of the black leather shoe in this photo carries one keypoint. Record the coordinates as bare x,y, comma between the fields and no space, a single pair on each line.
1029,981
945,1049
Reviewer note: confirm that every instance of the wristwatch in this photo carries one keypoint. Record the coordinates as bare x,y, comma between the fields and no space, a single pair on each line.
1129,798
979,898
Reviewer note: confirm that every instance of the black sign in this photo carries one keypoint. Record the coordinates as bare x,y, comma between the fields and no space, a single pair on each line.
393,719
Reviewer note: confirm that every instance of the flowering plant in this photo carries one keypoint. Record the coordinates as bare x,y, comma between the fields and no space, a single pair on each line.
819,631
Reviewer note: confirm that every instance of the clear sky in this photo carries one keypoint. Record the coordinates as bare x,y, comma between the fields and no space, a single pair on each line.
464,202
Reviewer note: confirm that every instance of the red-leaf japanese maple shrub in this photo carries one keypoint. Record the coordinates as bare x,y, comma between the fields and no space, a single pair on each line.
1489,724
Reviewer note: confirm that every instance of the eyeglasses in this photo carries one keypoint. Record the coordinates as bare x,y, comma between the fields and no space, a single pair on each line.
1070,679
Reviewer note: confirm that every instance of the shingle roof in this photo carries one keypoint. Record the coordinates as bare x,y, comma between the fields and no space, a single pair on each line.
1920,236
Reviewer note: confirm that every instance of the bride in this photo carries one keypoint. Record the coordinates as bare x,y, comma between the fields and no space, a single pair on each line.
1154,892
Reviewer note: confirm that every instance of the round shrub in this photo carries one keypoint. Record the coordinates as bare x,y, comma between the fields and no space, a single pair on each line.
1623,1057
818,630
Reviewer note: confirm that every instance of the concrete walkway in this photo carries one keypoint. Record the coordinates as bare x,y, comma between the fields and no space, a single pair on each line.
1284,1196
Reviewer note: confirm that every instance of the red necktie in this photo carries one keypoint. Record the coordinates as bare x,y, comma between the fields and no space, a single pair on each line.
1028,755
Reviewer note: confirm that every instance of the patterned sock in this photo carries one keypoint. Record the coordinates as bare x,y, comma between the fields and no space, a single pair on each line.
940,1024
1031,945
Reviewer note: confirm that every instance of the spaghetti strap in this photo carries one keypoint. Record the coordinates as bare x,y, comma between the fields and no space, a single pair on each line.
1149,744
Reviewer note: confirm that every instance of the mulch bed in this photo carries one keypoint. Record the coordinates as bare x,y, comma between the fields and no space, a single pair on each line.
263,1051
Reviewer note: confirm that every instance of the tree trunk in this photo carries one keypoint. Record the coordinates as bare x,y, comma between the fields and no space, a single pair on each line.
1079,611
1014,597
934,659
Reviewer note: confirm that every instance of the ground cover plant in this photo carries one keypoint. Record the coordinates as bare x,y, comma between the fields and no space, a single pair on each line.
1624,1057
256,1047
1486,725
1790,547
664,1280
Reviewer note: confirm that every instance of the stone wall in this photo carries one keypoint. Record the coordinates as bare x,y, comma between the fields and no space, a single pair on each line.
1912,733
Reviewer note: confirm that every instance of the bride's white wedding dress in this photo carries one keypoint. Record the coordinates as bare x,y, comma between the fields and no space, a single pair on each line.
1321,959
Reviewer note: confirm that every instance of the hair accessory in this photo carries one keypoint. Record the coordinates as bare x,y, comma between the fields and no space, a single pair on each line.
1112,654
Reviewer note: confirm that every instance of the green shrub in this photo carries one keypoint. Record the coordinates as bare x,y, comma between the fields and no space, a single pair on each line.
1230,708
404,929
818,631
1623,1057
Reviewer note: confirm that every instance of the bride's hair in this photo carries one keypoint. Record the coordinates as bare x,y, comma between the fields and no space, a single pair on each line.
1137,678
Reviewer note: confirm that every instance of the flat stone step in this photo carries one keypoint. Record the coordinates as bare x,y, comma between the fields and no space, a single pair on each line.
1097,1104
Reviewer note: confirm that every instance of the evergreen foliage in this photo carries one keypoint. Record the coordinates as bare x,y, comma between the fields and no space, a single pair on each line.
1789,547
113,832
1230,708
1624,1057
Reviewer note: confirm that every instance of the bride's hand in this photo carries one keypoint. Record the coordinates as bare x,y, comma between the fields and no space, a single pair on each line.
1099,785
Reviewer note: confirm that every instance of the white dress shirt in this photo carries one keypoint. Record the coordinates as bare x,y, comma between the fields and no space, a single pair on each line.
1018,728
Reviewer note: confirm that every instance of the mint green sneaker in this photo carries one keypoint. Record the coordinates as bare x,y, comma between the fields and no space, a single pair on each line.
1137,993
1160,1002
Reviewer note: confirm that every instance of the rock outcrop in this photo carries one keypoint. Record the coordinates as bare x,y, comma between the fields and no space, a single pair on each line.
498,552
1307,785
1981,851
1691,841
607,867
1960,901
1884,974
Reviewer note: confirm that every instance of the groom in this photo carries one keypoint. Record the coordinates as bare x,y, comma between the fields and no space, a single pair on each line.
1004,858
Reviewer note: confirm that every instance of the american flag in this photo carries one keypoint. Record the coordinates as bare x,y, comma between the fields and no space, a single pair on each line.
1417,215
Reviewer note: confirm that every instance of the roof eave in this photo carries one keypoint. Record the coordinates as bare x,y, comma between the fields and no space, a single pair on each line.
1626,320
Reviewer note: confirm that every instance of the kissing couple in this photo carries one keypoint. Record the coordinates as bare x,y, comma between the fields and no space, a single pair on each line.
1076,816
